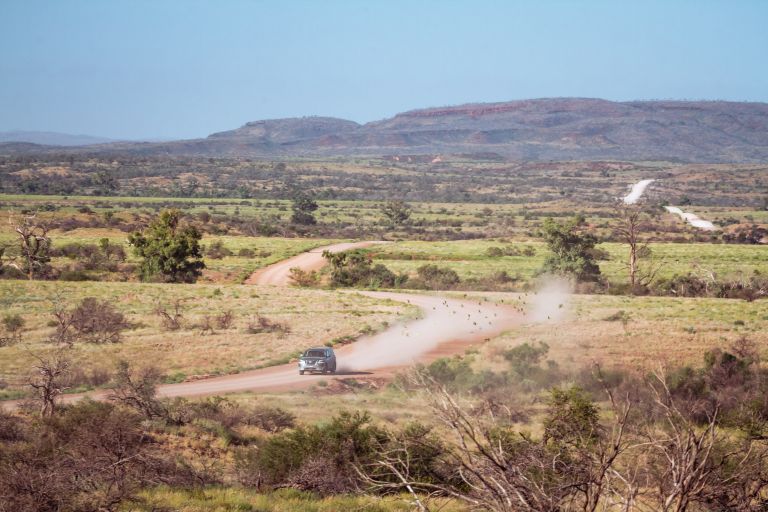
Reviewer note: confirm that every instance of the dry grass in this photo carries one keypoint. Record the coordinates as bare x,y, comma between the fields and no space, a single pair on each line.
313,316
658,330
222,499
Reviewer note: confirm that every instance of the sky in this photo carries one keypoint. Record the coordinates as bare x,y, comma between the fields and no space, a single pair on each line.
182,68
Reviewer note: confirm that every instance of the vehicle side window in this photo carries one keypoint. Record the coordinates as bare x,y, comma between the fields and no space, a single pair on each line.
327,353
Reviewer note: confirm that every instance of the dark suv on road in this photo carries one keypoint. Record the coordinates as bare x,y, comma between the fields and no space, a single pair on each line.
321,360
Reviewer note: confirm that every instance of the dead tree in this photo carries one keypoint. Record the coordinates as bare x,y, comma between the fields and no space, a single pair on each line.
497,469
48,380
687,467
631,223
138,389
171,320
34,245
65,333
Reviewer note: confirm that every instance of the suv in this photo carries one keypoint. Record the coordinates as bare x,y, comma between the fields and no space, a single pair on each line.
321,360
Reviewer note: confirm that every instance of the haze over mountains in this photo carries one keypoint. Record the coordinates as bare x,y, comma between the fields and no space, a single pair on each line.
51,138
534,130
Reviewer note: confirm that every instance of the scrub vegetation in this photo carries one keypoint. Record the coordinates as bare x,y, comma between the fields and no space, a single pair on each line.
128,274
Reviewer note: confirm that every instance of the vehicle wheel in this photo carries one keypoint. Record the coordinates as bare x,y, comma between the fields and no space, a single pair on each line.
301,372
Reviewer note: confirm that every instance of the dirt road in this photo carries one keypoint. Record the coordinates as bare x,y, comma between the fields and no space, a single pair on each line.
446,327
278,274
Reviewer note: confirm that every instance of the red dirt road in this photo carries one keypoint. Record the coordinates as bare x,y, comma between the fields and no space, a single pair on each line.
279,274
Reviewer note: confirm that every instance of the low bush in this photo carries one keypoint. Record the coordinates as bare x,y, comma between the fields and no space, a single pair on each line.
261,324
432,277
319,458
355,268
304,279
216,250
225,319
97,321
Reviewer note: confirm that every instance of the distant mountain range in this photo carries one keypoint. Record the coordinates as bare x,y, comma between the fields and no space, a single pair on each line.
52,138
534,130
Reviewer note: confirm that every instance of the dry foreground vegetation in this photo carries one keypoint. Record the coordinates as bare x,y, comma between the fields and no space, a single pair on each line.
628,397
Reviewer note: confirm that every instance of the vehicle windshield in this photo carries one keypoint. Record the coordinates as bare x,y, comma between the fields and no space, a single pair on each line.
314,353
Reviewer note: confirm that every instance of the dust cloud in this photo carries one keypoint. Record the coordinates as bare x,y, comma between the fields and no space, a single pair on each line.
444,320
550,302
692,219
637,191
447,320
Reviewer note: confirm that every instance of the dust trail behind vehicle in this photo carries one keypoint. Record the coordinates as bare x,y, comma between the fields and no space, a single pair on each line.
638,189
444,321
692,219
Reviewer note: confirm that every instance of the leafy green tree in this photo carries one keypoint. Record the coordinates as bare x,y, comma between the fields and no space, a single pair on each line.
171,251
572,417
572,250
396,213
354,268
303,209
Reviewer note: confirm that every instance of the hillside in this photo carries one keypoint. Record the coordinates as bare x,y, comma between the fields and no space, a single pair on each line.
534,130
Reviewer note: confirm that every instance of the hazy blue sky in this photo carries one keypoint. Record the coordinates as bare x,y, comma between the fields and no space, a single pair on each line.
162,68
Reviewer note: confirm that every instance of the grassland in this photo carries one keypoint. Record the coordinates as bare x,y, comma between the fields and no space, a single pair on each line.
229,269
429,220
469,258
312,316
225,499
634,333
655,330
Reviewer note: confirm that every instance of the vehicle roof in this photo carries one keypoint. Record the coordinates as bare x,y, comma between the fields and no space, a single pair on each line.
319,348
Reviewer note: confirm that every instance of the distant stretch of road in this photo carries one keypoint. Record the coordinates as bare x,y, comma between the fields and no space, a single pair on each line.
279,274
446,327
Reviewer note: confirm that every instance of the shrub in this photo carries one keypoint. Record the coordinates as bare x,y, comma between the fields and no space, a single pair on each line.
225,319
433,277
318,458
171,319
270,419
261,324
304,279
494,252
355,268
217,251
170,251
206,325
13,325
457,374
571,250
246,253
97,321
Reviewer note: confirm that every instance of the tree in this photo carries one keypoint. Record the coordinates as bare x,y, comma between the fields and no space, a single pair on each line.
138,389
572,250
303,207
97,321
490,466
171,251
630,224
13,325
354,268
396,213
34,246
48,381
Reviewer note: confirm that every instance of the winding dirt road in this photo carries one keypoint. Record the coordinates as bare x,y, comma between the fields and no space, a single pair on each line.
446,327
279,274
